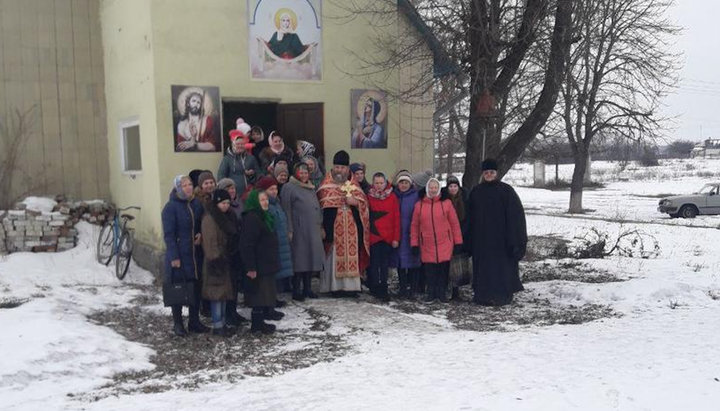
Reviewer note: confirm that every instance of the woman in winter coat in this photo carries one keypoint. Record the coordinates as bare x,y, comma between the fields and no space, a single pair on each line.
270,186
276,148
220,244
238,164
459,267
183,258
315,168
305,227
259,250
435,234
233,318
407,264
384,233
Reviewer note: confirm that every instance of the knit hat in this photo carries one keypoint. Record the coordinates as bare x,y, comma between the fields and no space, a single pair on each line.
265,183
203,176
354,167
422,178
489,164
280,168
452,180
341,158
403,175
224,183
194,176
177,183
220,195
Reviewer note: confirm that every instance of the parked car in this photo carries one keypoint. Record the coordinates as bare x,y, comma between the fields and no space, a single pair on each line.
704,202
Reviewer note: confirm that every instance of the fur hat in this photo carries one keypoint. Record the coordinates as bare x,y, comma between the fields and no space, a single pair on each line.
265,183
403,175
341,158
224,183
242,131
489,164
203,176
220,195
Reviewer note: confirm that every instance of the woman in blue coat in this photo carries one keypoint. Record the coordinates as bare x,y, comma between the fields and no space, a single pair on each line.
407,264
183,257
270,186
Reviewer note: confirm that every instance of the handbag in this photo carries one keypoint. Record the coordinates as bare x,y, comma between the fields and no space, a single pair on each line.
460,270
182,293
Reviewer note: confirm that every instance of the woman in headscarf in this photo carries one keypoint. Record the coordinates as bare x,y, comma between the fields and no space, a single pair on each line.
260,254
407,264
317,174
384,233
435,234
183,258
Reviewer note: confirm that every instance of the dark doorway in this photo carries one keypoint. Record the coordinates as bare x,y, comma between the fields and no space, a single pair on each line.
255,114
302,121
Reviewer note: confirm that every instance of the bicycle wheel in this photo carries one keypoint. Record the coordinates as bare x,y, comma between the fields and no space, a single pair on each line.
124,255
104,249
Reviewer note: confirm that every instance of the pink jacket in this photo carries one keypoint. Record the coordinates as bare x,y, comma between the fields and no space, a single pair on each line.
435,229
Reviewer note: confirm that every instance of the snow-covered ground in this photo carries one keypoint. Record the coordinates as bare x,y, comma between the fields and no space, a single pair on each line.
657,351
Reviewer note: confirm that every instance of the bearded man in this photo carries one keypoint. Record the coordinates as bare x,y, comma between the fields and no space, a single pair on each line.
346,223
195,129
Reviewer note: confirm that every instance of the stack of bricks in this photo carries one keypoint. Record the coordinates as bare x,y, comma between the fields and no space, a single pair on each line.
27,230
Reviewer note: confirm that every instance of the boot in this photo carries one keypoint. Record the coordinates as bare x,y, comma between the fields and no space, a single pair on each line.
456,294
231,315
205,308
272,314
258,323
178,327
403,289
224,331
194,324
413,284
307,285
441,289
280,303
297,292
383,293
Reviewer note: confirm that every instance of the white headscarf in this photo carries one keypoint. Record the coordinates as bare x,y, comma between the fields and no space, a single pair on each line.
427,187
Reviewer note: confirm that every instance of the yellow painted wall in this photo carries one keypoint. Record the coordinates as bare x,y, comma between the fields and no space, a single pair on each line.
204,43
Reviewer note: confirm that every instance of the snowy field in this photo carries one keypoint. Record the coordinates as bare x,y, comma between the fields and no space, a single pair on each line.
625,333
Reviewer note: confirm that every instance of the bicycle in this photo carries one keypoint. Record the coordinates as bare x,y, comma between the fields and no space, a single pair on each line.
116,239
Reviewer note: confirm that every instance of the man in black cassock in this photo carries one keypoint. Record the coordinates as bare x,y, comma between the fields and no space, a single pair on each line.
498,238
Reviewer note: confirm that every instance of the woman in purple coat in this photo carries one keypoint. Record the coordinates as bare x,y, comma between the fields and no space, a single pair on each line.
407,264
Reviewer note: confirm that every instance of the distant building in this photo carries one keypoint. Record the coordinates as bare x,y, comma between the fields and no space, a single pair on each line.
708,148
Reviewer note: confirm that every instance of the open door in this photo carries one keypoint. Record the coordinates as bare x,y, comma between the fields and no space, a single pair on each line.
256,114
302,121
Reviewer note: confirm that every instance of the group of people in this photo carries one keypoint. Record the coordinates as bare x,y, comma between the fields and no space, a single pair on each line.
272,221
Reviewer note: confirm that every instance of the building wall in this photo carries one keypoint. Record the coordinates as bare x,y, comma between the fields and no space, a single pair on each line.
51,59
205,43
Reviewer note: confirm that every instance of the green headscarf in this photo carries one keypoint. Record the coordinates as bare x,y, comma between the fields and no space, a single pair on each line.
253,203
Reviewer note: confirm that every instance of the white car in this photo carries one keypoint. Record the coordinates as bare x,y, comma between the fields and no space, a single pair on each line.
704,202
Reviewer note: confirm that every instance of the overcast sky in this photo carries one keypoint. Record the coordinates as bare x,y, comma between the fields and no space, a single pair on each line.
697,102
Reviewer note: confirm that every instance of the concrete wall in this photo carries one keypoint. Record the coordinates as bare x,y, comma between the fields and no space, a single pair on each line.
149,46
51,59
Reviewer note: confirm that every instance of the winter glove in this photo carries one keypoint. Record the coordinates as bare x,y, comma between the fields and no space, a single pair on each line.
415,251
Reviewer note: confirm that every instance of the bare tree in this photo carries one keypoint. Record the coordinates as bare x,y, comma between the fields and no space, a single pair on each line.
618,71
488,45
15,130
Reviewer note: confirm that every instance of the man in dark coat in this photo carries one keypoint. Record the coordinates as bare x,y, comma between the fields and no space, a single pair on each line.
497,238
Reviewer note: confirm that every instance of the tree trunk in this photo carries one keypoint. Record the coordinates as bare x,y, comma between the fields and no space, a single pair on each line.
557,171
450,148
576,186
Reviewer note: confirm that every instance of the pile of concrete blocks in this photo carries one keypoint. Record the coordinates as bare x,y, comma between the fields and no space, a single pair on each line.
27,230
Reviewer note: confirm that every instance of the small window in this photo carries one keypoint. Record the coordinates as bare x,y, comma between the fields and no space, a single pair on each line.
130,140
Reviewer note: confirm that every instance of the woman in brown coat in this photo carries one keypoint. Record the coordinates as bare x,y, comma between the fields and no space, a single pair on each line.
219,242
260,253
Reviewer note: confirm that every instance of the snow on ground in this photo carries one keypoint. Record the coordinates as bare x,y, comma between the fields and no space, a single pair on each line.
657,352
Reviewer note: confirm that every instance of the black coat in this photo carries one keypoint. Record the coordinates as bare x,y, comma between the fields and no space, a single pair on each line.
497,238
260,252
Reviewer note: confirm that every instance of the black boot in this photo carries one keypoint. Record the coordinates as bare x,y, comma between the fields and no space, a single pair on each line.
403,289
271,314
231,315
178,327
258,322
307,285
431,289
441,289
383,293
413,283
223,331
280,303
297,292
194,324
456,294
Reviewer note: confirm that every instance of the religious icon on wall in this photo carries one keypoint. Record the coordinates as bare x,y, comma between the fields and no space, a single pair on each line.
369,119
285,39
196,118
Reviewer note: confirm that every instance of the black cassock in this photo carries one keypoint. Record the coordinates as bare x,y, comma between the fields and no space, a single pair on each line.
497,241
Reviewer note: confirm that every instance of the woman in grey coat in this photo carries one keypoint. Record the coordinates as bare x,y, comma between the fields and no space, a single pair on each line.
305,230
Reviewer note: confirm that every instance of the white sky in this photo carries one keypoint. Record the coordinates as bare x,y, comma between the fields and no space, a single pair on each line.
697,100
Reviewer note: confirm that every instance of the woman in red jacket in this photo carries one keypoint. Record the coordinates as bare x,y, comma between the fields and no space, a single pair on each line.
434,234
384,233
